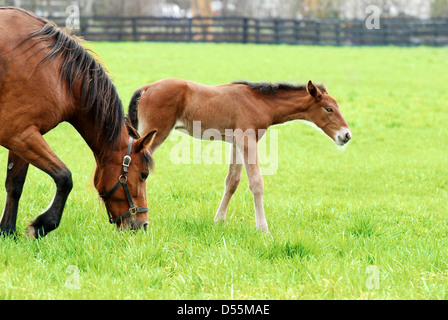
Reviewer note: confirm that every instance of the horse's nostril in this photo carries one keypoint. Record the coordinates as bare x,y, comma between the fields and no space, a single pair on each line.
145,225
348,136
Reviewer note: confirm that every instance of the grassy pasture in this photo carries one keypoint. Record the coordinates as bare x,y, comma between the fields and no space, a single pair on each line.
333,216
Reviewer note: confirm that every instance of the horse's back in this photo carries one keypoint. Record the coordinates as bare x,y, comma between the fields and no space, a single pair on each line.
29,96
16,24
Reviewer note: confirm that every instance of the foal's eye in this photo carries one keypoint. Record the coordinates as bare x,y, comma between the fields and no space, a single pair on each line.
329,110
144,176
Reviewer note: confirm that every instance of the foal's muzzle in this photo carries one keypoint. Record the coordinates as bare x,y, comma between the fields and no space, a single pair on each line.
343,136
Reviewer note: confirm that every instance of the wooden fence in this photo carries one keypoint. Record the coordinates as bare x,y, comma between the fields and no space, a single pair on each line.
403,32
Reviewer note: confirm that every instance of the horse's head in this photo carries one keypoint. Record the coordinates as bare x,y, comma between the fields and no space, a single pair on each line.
324,112
121,182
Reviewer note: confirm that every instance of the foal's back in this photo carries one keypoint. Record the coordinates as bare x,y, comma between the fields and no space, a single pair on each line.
175,103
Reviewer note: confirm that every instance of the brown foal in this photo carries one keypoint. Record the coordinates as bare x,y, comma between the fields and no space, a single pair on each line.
46,77
173,103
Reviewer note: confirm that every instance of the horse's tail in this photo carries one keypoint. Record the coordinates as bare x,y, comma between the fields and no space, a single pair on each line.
133,108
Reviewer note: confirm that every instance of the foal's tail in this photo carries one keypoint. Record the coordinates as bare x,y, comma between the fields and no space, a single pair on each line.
133,108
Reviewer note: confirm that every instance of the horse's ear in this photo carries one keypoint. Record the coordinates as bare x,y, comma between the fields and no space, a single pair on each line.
314,91
146,141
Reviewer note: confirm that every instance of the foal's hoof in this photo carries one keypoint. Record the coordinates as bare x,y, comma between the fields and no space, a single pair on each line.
264,229
219,221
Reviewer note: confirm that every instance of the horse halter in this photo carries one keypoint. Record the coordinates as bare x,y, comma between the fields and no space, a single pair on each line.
123,181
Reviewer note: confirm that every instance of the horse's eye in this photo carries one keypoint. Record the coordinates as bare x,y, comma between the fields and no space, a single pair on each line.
144,176
329,110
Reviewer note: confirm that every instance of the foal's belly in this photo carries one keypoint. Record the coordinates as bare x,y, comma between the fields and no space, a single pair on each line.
203,131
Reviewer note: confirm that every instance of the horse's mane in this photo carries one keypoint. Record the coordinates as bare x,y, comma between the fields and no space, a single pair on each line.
98,93
273,88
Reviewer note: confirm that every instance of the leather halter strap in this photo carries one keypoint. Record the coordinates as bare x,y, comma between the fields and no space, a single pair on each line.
123,181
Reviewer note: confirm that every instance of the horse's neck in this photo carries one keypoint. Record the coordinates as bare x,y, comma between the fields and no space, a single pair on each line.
85,124
288,105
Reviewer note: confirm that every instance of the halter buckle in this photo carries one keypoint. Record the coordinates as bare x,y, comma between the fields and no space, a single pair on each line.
133,211
126,162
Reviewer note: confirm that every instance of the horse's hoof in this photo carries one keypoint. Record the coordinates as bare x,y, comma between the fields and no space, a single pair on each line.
31,232
8,233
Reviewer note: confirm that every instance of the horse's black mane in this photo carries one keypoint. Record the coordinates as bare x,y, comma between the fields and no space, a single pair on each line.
98,93
273,88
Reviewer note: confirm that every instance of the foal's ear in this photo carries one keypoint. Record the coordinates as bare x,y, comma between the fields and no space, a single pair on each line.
146,141
314,91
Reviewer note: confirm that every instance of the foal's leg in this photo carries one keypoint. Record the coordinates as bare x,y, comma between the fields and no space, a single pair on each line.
156,117
160,137
17,170
33,149
232,182
248,147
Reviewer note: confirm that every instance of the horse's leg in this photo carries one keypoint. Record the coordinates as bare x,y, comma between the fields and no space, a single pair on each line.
16,174
33,148
248,147
232,182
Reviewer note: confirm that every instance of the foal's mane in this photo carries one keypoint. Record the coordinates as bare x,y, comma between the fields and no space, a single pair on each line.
78,67
273,88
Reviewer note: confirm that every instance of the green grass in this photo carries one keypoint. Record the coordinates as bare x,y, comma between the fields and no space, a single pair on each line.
381,202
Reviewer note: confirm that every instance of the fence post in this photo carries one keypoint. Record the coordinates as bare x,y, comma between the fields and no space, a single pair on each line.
297,30
84,27
436,33
410,34
362,33
318,38
245,29
276,32
257,26
190,29
134,29
338,33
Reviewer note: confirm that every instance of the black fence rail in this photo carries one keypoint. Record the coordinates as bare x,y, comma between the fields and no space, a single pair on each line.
403,32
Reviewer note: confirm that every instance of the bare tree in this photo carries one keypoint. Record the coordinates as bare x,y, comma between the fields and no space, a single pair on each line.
86,7
439,9
263,8
389,8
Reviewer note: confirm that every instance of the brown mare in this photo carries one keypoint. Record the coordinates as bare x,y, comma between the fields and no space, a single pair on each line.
46,77
250,107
